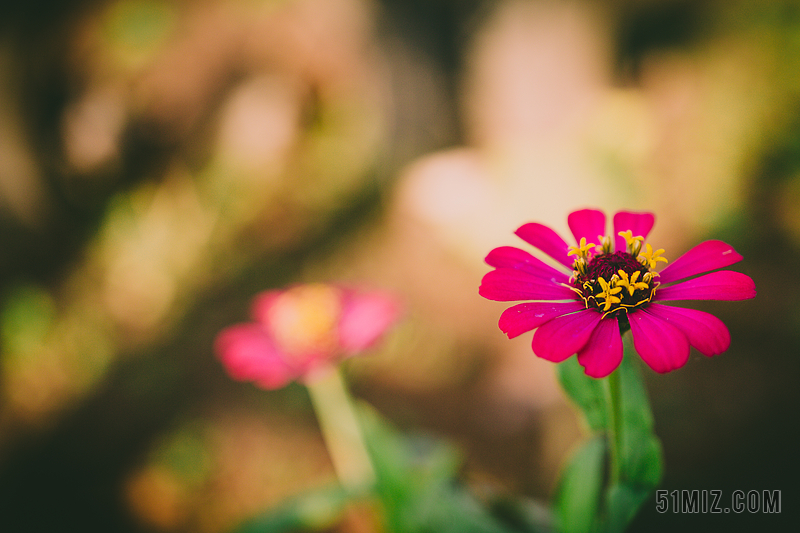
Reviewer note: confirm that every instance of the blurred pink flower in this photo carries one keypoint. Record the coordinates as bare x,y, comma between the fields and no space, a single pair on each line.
613,288
303,329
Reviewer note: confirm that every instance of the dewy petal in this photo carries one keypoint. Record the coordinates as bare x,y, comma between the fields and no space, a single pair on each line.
527,316
546,240
510,284
248,354
587,223
639,224
510,257
704,331
660,344
365,318
603,352
561,337
706,256
720,285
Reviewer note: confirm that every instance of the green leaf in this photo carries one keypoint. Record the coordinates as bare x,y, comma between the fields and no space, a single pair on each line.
635,405
416,482
409,472
622,503
639,454
523,513
577,500
26,318
314,511
417,488
586,393
641,458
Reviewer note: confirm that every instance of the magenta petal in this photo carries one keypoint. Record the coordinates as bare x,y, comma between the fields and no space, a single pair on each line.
639,224
527,316
603,352
561,337
510,257
262,303
365,317
660,344
705,332
720,285
510,284
546,240
587,224
248,354
706,256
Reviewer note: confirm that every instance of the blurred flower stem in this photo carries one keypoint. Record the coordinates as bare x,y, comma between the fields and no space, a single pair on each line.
614,410
341,430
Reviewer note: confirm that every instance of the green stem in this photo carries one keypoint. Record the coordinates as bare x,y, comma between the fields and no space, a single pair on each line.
614,403
341,430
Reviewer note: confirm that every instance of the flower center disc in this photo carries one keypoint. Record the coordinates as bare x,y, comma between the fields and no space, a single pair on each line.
611,282
608,265
304,319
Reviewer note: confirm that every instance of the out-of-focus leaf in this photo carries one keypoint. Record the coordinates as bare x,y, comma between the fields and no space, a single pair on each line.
140,23
185,454
622,503
586,392
640,453
523,514
417,486
314,511
577,501
635,405
642,461
25,319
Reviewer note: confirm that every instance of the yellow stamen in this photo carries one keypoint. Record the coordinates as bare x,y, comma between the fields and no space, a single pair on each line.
580,267
582,249
631,284
605,243
650,258
634,243
303,319
607,293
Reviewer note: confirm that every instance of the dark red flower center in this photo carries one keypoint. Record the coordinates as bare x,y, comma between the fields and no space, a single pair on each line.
612,283
606,265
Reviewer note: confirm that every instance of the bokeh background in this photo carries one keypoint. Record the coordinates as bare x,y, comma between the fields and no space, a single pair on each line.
163,161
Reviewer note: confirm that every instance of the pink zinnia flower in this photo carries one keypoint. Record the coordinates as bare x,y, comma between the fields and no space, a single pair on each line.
301,330
612,288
